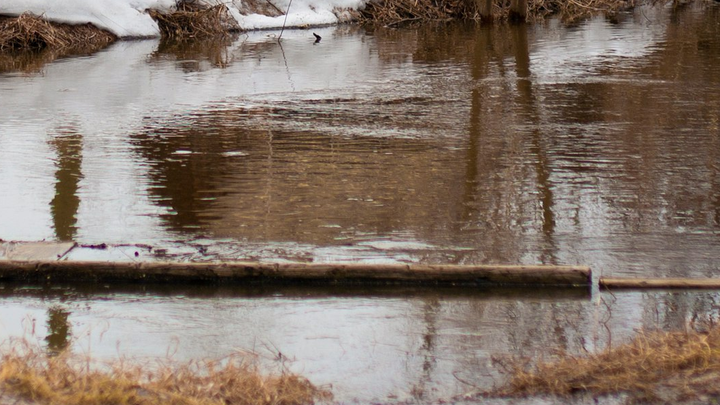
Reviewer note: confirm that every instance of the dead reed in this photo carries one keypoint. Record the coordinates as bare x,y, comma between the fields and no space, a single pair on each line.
394,12
574,10
30,32
191,20
28,42
68,379
667,366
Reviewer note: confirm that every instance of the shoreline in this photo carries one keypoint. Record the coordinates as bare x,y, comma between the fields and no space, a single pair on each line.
29,31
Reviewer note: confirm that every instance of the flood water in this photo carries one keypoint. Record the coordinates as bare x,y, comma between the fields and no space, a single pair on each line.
595,144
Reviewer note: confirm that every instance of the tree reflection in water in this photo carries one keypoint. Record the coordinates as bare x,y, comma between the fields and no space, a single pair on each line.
59,331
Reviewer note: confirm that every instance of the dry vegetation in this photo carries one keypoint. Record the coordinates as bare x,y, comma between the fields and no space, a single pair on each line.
66,379
392,12
30,32
658,367
194,21
28,42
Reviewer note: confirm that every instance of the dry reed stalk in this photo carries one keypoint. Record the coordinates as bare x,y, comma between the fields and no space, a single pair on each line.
646,368
193,21
68,379
30,32
393,12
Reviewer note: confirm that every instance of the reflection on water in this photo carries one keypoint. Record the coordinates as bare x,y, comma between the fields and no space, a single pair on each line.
597,144
65,205
58,337
473,147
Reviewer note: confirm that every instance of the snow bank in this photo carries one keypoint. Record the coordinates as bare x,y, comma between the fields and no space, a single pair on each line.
124,18
128,18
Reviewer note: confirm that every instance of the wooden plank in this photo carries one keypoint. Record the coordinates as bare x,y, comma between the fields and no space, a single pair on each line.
649,283
35,251
292,272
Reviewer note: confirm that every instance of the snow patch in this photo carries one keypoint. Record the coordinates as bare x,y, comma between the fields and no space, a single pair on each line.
124,18
301,13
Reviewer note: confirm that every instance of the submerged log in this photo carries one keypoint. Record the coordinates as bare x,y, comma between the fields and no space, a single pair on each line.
646,283
245,272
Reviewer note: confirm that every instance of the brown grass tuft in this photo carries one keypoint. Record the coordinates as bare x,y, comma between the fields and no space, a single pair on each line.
653,366
194,21
68,379
30,32
28,42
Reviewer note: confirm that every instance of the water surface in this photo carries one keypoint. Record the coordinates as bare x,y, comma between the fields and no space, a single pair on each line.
597,144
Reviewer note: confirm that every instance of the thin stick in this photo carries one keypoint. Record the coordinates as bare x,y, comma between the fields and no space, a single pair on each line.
648,283
284,21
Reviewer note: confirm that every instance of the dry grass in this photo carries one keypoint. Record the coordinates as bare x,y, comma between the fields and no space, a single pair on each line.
30,32
393,12
28,42
68,379
574,10
666,366
194,21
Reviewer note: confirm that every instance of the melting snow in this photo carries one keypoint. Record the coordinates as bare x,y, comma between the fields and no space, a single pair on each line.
129,18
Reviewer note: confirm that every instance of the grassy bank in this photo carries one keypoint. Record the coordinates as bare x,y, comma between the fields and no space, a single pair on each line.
393,12
31,375
664,367
191,21
30,32
28,42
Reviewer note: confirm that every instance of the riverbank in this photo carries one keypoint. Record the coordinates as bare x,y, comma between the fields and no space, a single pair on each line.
37,28
31,375
655,367
28,42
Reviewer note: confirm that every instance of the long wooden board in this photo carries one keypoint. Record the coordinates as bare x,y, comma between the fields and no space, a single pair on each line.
239,272
649,283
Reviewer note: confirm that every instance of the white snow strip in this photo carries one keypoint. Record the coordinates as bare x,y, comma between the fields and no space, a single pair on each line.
301,13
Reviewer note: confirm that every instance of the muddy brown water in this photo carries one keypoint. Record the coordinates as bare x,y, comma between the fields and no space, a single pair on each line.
596,144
